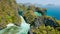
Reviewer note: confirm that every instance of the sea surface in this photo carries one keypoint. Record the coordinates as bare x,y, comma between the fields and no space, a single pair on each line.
53,11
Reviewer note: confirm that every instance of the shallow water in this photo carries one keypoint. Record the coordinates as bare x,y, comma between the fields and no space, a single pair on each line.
13,29
38,14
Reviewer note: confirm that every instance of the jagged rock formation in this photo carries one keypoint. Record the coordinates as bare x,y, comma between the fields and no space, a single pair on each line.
8,13
50,21
39,24
34,20
41,10
38,21
29,16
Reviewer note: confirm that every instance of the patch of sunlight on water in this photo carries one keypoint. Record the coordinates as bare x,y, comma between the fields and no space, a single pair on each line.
23,29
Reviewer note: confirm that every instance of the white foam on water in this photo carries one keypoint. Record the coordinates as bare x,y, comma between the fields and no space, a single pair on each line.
10,24
22,29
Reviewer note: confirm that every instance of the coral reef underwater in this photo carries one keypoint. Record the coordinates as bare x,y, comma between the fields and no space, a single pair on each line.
27,19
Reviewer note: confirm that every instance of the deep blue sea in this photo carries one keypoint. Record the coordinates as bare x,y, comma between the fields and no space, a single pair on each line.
53,11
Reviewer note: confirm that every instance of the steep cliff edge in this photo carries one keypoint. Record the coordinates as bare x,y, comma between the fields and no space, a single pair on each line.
8,13
42,24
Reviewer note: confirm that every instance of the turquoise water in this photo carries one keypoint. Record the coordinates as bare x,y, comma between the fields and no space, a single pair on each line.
38,14
53,11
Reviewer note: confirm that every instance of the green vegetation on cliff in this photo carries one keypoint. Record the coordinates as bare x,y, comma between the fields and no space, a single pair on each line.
8,13
42,24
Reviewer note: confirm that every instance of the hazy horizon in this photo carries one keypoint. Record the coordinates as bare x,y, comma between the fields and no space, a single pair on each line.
42,2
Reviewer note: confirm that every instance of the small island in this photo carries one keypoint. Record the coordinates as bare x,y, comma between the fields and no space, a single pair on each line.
26,19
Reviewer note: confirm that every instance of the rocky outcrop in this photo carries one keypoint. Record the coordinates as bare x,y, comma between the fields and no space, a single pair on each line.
39,24
50,21
38,21
41,10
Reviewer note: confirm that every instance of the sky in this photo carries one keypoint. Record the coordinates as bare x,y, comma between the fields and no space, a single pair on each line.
43,2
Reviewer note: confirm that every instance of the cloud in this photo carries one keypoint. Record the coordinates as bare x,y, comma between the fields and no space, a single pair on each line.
44,2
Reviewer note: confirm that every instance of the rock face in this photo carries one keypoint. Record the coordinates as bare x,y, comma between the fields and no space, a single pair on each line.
51,22
29,16
41,10
39,24
38,21
48,24
35,20
8,13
